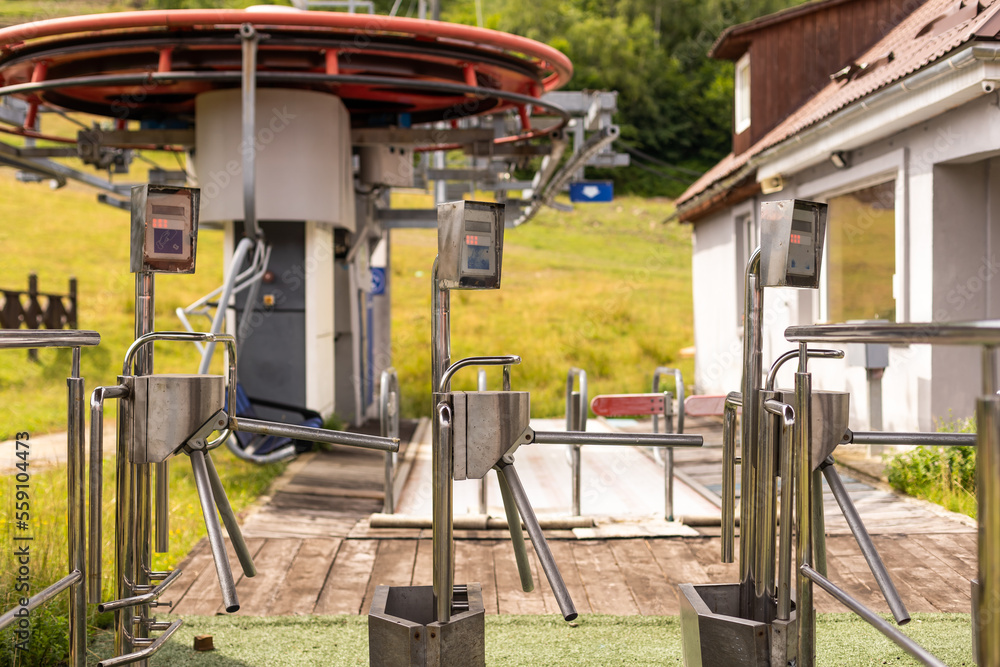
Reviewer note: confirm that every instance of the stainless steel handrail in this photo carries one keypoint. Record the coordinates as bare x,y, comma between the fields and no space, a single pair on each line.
986,332
505,360
42,596
922,439
36,338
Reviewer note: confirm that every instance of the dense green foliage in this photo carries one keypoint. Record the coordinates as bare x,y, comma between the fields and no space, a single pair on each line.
943,475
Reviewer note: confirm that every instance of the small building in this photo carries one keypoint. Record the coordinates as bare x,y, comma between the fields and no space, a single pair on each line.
888,111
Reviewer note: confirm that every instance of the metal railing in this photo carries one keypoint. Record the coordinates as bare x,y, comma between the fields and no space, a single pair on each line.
667,453
76,522
986,626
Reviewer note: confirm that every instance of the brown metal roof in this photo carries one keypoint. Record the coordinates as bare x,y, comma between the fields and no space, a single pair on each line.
909,54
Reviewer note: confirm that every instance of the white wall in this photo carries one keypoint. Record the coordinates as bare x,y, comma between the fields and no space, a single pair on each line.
946,247
718,347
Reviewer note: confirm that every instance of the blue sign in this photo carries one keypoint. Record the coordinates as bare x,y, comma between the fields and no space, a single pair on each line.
590,191
378,280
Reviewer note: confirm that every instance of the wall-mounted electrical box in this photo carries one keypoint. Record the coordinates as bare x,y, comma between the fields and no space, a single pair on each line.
164,229
791,243
470,244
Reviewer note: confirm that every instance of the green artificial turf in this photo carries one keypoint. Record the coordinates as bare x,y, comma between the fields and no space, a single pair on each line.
843,640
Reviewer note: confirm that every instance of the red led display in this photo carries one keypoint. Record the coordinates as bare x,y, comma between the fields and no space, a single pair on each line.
797,239
477,240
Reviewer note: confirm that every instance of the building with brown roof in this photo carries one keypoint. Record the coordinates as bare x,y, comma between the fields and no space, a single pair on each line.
888,111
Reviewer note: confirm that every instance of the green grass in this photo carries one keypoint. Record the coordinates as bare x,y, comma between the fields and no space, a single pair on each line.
244,482
67,233
606,288
843,640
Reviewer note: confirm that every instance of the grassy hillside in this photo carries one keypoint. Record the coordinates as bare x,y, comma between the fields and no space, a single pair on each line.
606,288
68,233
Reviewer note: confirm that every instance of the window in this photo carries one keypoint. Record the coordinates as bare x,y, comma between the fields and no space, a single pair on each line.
861,254
746,242
741,87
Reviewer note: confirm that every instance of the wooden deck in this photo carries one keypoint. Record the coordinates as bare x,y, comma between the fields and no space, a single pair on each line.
316,553
628,576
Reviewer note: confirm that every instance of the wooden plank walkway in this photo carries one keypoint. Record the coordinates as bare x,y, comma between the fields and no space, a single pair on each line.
316,553
627,577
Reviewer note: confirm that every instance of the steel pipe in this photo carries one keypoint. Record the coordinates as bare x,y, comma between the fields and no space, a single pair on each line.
621,439
902,641
222,569
262,427
806,613
388,414
750,447
913,333
481,385
146,652
767,516
516,535
145,598
772,375
37,338
76,515
988,500
444,385
668,452
784,591
229,519
505,468
43,596
864,541
733,401
576,420
443,513
248,86
923,439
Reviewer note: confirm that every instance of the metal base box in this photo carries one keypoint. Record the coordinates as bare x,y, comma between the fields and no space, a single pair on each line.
713,635
402,632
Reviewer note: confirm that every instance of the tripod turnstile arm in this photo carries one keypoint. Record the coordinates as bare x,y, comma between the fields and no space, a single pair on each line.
229,518
622,439
145,598
262,427
864,541
222,569
505,469
146,652
516,535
